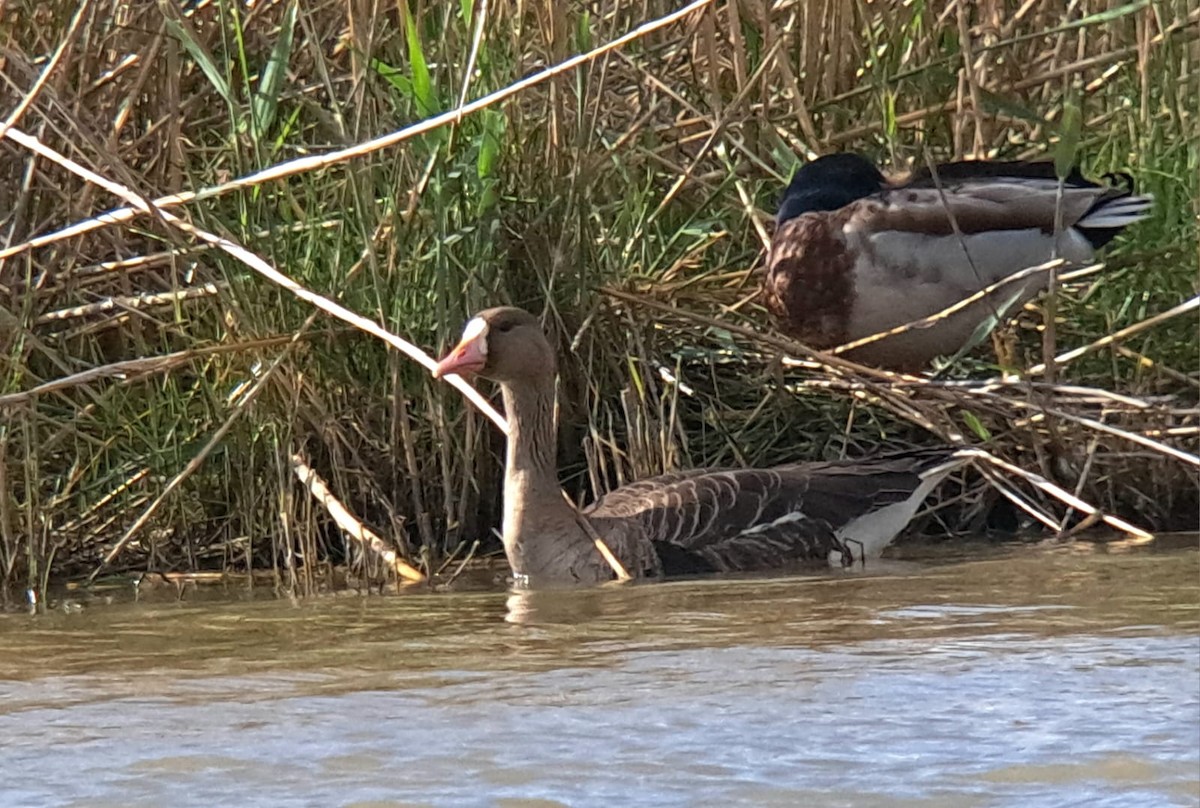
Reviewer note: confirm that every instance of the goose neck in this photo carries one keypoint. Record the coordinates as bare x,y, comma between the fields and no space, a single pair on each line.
542,537
532,438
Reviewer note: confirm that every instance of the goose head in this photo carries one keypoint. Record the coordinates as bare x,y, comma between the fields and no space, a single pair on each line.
503,344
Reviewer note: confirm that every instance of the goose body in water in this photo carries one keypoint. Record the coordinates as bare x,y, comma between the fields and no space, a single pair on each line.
854,255
686,523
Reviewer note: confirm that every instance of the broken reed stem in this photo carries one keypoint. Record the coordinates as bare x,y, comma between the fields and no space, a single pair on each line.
350,524
607,554
1108,339
1059,493
925,322
142,366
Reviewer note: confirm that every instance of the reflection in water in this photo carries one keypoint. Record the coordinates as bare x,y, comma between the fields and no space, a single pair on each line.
1031,677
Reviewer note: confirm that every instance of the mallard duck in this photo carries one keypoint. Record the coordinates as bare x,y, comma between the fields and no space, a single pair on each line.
690,522
854,255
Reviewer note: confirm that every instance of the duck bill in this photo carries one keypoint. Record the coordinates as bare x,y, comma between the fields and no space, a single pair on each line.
468,357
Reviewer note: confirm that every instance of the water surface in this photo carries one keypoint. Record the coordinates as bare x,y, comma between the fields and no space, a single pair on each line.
1028,676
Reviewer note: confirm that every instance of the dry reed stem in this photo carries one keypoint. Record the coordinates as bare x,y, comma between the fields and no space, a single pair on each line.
1059,493
605,552
350,524
140,301
302,165
135,367
1006,489
135,478
1146,362
46,72
1109,339
267,271
1097,426
1042,409
932,319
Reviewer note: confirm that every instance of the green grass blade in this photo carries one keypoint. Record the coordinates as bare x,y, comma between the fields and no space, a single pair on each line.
975,425
266,98
490,141
197,51
393,76
422,85
1068,145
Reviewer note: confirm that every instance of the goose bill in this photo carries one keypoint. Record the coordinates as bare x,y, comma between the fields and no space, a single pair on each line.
468,357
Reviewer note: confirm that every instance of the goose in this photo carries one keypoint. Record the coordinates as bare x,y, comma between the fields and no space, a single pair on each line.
685,523
854,255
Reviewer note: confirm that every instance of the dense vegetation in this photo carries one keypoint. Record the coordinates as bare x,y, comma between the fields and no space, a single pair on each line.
154,388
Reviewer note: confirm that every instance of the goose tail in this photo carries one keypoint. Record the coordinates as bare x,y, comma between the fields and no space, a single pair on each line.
866,536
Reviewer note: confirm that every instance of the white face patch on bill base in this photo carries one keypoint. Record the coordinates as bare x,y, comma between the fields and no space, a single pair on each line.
474,330
470,355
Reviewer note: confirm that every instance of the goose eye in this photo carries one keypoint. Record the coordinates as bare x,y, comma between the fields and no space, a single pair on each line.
504,326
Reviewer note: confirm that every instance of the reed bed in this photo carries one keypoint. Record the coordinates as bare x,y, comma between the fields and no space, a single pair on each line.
234,233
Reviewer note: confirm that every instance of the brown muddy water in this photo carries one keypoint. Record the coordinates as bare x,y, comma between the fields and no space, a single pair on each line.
981,676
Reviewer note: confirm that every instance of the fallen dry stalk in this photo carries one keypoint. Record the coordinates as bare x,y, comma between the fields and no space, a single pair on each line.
601,546
932,319
141,301
142,366
351,525
1097,426
1109,339
1059,493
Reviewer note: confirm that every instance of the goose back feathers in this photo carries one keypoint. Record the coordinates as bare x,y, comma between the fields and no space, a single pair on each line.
853,255
690,522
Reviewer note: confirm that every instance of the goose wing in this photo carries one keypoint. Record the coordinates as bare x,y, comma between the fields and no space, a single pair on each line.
747,519
714,521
